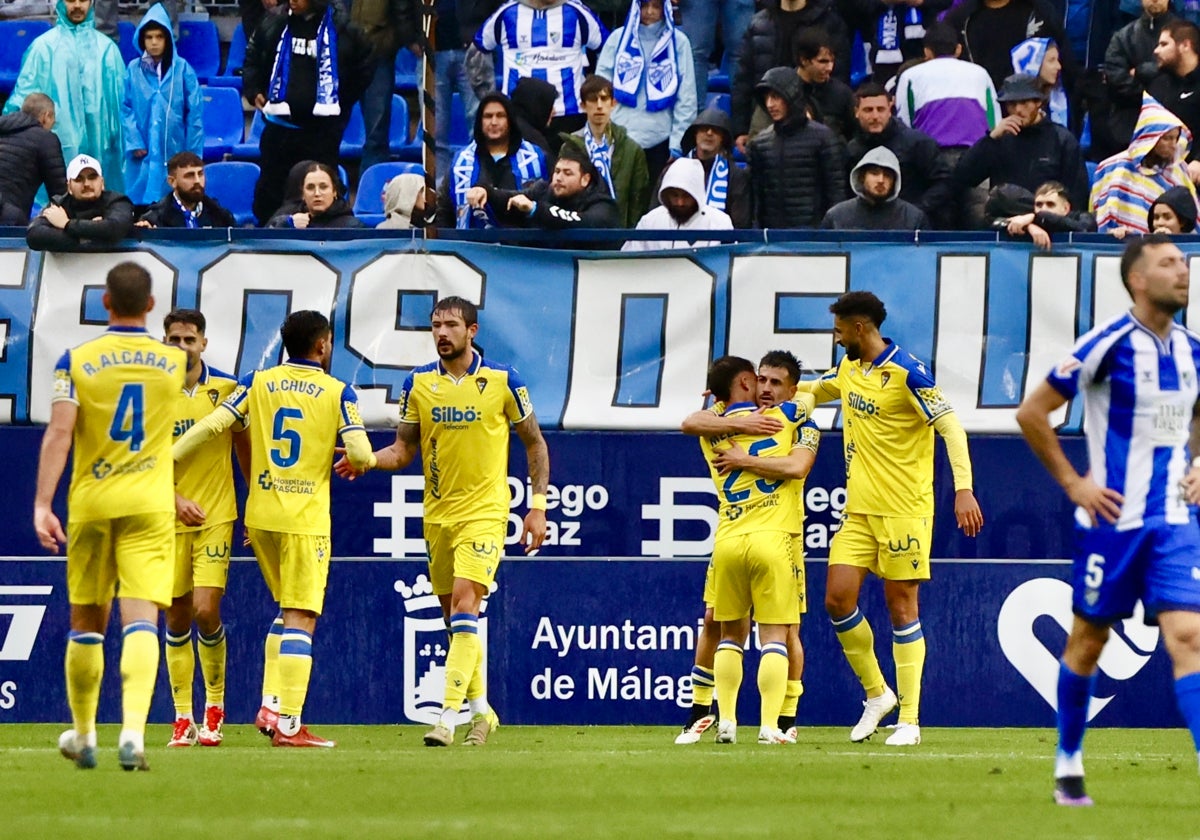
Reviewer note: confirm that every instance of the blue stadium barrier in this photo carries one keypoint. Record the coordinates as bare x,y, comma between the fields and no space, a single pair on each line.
231,76
232,183
223,121
200,44
15,38
368,200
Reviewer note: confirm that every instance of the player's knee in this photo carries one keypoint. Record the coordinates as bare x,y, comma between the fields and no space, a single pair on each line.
839,604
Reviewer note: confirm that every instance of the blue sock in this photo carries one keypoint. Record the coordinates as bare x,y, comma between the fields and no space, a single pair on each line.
1074,693
1187,695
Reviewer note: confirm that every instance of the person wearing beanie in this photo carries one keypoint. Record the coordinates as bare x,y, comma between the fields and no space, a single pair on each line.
1173,212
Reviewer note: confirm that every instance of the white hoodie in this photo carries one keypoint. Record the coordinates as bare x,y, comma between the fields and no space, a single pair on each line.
685,174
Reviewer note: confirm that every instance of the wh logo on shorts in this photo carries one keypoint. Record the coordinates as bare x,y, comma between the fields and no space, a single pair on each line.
17,644
425,647
1129,647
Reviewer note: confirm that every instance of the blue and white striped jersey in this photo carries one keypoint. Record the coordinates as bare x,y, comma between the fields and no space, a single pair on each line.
1138,394
547,44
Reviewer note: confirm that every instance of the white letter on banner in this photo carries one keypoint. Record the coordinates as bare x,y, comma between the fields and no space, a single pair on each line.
61,305
1109,297
222,289
668,511
372,330
755,285
602,288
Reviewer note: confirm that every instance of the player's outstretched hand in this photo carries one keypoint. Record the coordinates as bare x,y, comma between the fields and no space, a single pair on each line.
730,459
757,424
967,512
343,467
49,529
188,512
533,534
1096,500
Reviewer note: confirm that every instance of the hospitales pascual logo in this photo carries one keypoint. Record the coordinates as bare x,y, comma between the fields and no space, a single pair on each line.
425,647
1129,647
25,620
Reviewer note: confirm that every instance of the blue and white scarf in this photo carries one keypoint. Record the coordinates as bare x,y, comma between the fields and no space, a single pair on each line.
327,71
528,164
662,72
888,37
1027,57
717,190
191,218
601,157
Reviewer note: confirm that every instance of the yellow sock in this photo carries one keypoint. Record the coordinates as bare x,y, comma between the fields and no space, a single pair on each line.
462,659
772,682
727,670
295,669
139,668
858,643
477,687
85,668
211,651
270,686
908,648
181,671
703,681
791,698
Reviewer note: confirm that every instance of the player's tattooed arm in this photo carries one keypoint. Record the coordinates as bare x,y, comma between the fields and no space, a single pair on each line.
538,456
396,456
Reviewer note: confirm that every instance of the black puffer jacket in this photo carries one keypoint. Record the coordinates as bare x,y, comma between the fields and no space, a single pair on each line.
925,174
339,215
165,213
760,52
93,225
1132,49
797,166
29,157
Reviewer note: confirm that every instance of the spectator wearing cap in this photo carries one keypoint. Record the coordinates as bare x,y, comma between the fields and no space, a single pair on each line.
1178,83
82,71
925,173
1173,212
683,207
87,217
1129,68
186,205
877,205
726,185
30,156
989,29
1024,148
649,61
797,165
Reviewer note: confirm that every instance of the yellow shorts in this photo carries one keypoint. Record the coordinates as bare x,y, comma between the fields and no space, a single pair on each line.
295,567
755,571
132,555
202,558
892,547
470,550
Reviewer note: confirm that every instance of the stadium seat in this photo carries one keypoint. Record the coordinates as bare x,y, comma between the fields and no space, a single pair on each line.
399,142
720,80
232,184
15,38
368,201
719,100
223,121
1090,165
199,44
408,69
460,132
248,149
231,76
354,136
125,33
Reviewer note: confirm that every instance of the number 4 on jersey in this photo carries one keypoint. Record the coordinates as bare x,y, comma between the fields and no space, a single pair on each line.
128,424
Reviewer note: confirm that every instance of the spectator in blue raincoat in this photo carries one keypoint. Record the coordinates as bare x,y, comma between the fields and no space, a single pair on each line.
82,71
162,112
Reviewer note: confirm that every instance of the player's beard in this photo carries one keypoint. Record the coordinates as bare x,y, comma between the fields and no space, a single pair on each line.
450,353
853,352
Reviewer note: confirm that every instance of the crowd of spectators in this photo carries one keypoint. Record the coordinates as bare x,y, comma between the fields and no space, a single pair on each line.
1028,117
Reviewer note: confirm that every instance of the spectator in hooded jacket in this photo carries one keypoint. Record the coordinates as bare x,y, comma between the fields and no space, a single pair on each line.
533,108
797,166
30,157
877,204
1126,185
649,62
186,205
1173,212
324,204
727,185
682,207
87,217
403,199
162,112
1024,148
497,157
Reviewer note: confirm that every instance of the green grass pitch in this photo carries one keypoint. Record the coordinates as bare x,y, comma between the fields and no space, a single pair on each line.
629,782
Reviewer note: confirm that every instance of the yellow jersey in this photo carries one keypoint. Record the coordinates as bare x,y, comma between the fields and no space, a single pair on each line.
127,386
206,476
464,430
295,412
888,407
749,503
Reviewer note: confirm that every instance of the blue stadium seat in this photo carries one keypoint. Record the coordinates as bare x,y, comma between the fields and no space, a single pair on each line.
460,132
248,149
354,136
199,44
368,201
345,179
720,100
1090,165
129,49
232,184
15,38
231,76
719,81
223,121
399,142
408,69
